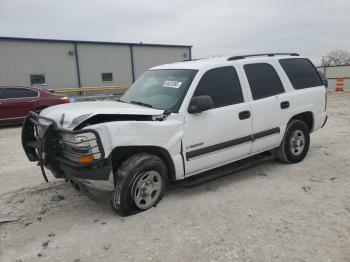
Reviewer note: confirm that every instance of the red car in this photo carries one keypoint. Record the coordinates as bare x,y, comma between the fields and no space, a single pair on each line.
17,101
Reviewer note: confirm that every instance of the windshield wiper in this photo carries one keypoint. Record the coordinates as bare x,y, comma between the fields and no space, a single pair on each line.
140,103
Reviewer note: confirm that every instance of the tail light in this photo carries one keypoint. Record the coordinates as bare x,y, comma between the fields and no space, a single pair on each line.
64,99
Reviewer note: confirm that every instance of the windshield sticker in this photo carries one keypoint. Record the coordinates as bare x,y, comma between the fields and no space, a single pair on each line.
172,84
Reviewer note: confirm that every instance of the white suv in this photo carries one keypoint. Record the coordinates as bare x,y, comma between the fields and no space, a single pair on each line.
179,120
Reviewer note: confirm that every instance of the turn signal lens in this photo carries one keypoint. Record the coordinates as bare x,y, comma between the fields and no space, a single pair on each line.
85,159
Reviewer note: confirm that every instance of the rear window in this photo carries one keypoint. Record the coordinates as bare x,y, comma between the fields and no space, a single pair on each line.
301,72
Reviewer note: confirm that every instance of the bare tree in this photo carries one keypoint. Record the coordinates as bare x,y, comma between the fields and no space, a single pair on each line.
336,58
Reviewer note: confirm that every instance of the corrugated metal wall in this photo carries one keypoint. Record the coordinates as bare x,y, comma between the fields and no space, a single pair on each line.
57,60
333,73
97,59
146,57
19,59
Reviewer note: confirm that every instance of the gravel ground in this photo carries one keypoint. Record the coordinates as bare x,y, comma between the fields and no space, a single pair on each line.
272,212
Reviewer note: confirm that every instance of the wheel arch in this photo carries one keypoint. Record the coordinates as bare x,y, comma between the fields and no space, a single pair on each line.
307,117
119,154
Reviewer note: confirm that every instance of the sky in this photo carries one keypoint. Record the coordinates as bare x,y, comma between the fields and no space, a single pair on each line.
214,28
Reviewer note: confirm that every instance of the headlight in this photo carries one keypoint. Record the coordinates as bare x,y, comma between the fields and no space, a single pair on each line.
80,148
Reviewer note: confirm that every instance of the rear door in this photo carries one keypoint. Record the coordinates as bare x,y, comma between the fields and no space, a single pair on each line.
272,105
309,91
18,102
222,134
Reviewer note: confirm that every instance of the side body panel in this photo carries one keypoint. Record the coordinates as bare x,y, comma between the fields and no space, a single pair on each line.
166,134
311,99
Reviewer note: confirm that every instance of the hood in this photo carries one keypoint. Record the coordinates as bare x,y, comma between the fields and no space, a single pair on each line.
72,114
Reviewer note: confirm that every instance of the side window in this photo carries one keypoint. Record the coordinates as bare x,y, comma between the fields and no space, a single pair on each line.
2,93
301,73
263,80
31,93
222,85
19,93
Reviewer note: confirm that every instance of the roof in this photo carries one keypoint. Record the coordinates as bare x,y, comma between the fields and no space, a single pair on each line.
88,42
220,61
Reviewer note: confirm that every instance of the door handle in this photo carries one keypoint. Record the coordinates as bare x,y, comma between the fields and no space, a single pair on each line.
31,101
284,104
244,115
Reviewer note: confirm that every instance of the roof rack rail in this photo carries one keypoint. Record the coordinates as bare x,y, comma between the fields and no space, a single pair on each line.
194,59
268,54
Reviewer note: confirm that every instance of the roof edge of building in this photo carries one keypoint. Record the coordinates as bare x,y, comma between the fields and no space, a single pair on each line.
88,42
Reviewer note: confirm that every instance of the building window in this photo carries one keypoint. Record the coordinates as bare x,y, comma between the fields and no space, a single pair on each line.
38,79
107,77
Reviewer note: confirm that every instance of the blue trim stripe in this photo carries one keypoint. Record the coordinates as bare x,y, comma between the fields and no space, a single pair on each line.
132,63
77,63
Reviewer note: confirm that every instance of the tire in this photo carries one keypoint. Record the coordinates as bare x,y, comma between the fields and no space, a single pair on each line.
295,143
140,183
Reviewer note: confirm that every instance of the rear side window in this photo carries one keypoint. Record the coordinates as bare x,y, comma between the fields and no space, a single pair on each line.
19,93
263,80
301,73
222,85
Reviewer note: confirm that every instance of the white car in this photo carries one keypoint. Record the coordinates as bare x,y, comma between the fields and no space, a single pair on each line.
179,120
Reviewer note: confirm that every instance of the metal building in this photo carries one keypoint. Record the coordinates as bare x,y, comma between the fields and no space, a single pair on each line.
338,76
67,63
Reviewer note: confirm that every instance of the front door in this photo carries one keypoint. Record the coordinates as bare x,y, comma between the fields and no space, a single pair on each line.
18,102
222,134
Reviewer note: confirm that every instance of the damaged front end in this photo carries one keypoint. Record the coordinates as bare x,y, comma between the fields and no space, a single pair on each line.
71,154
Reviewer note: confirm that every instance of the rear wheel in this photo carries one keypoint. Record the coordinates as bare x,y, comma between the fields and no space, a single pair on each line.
140,183
295,144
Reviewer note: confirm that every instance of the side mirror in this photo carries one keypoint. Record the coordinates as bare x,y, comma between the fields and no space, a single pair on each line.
200,103
325,82
324,79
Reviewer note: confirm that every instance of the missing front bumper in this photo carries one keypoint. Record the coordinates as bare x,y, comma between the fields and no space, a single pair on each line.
45,149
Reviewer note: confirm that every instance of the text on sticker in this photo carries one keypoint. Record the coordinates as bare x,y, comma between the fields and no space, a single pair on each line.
172,84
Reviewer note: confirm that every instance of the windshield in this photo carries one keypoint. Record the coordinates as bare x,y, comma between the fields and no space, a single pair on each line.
160,89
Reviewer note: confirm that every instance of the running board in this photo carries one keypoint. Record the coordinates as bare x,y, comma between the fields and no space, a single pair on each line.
225,170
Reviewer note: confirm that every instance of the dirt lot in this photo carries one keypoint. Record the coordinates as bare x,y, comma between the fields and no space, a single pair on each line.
272,212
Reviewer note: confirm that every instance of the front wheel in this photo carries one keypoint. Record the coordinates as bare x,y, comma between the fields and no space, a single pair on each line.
295,144
140,183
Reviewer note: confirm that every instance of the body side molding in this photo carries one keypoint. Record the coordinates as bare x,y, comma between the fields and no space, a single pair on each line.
235,142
